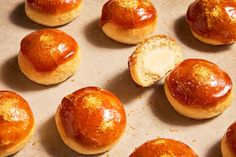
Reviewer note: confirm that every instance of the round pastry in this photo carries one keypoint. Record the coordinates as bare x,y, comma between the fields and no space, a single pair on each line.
48,56
90,120
198,89
52,12
153,59
16,123
228,142
128,21
213,21
163,147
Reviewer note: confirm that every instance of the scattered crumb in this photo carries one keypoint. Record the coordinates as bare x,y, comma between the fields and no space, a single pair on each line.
107,155
34,143
99,72
140,97
147,133
193,141
108,81
73,80
132,128
128,114
173,130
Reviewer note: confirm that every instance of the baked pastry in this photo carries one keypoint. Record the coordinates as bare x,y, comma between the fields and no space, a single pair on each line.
153,59
198,89
16,123
213,21
128,21
163,147
52,12
228,147
48,56
90,120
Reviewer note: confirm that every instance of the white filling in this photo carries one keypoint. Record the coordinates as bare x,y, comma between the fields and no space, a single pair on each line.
159,61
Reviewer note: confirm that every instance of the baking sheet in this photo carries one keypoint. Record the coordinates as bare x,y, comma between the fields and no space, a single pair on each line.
104,64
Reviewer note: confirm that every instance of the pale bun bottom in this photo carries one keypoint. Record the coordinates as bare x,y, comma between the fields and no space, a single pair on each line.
225,149
208,41
197,112
14,149
75,145
61,73
131,36
51,20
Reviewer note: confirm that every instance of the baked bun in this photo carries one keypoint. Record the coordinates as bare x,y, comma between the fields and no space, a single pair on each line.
153,59
16,123
198,89
48,56
52,12
90,120
128,21
163,147
228,142
213,21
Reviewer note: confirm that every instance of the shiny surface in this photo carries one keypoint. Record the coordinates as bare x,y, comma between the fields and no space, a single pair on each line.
231,137
54,6
213,19
163,148
16,119
93,116
128,14
197,82
48,48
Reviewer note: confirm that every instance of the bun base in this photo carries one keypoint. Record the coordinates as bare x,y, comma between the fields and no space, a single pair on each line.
19,146
208,41
60,74
225,150
198,112
51,20
75,145
131,36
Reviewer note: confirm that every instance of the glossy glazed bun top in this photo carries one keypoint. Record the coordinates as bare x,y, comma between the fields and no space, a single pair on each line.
48,48
54,6
163,148
92,116
128,13
213,19
16,119
197,82
231,137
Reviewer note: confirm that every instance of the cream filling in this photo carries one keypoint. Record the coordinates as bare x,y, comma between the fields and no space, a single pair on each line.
159,61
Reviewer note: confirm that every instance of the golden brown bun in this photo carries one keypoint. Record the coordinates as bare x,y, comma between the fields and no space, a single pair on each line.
128,21
163,147
48,56
213,22
228,147
90,120
198,89
52,13
16,123
153,59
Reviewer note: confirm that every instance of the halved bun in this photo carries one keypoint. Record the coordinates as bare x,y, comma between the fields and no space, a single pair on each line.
153,59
